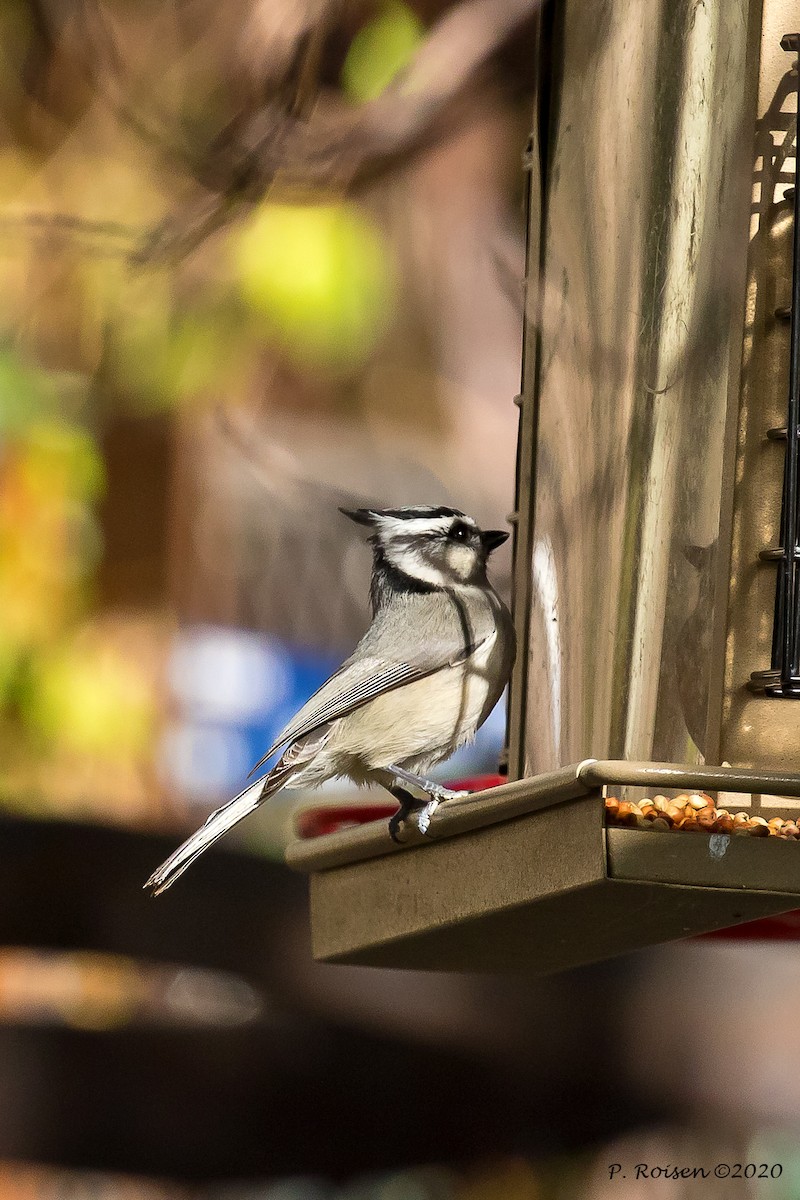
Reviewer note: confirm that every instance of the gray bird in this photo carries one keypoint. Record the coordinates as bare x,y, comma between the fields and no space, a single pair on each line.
419,684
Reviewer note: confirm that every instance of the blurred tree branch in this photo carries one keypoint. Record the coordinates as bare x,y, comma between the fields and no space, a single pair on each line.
291,139
104,65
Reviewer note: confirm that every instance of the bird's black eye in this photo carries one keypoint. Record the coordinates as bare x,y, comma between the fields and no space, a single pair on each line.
459,532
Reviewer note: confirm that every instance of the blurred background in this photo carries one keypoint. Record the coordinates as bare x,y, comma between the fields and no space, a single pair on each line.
259,260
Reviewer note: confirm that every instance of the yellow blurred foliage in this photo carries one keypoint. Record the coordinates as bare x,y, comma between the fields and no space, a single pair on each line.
380,50
320,276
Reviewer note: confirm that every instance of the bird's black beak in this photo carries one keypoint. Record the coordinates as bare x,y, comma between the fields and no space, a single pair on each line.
492,538
361,516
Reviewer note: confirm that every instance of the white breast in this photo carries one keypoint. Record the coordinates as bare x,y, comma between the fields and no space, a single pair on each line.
423,722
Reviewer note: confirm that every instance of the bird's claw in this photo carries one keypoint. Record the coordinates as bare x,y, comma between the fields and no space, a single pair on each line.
438,795
425,814
394,827
443,794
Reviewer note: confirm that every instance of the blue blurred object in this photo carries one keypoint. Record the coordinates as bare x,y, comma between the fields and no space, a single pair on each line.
234,690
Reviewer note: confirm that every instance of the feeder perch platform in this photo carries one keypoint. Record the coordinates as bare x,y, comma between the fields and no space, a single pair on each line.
527,876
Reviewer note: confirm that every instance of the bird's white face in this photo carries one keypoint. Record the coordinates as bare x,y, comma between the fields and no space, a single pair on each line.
438,547
442,549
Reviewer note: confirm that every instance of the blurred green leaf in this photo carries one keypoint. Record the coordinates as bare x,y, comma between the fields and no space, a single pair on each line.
380,51
61,457
89,699
25,394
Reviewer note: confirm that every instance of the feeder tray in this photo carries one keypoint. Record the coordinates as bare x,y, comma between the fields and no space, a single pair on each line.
528,877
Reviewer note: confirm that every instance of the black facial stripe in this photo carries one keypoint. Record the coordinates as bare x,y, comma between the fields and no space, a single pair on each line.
388,581
418,513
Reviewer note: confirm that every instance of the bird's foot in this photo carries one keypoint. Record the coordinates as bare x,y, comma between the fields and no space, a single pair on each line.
434,791
439,795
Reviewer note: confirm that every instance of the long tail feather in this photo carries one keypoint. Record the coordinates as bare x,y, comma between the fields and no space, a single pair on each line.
217,824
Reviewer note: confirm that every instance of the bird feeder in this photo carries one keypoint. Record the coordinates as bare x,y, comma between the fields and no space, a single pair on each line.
657,553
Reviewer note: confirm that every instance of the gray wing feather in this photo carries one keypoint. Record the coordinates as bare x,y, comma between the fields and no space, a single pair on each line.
223,819
218,823
389,657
